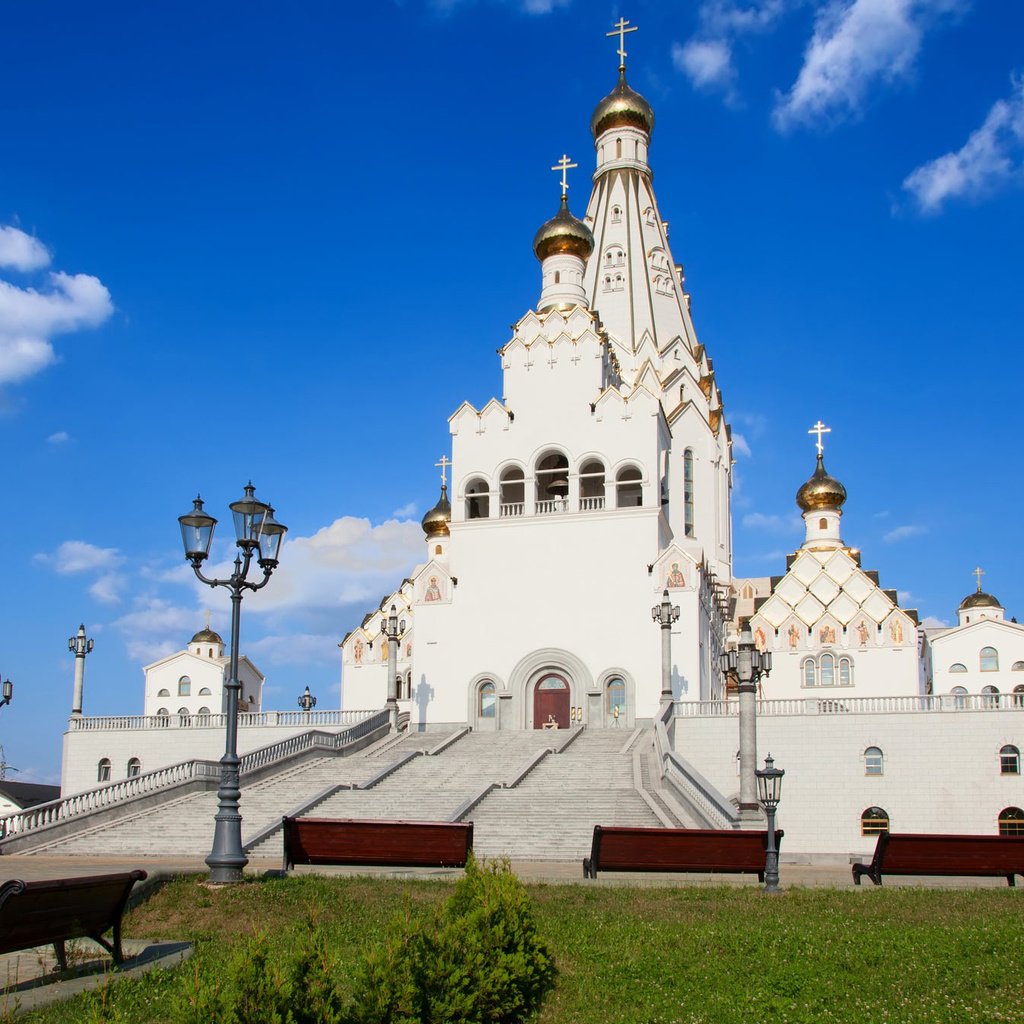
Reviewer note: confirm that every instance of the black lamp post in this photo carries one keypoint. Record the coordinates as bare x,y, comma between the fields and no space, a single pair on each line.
257,533
8,692
769,790
307,701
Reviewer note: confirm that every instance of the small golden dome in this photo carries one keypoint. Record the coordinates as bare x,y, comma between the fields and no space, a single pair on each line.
979,599
206,636
564,233
622,106
822,492
435,522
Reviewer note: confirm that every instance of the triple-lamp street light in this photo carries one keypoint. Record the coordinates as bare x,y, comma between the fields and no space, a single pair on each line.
392,629
8,692
769,790
307,701
257,534
744,665
664,615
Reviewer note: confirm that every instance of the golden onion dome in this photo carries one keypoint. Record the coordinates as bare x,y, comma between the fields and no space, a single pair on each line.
622,107
822,492
435,522
206,636
979,599
564,233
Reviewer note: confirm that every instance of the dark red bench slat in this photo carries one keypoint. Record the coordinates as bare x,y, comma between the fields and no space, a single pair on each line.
929,854
377,843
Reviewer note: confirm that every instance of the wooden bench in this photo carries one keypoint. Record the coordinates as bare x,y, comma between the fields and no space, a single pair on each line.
677,849
425,844
919,854
41,913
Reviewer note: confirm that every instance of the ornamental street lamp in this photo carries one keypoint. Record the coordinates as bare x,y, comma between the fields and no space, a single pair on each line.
391,629
8,692
257,534
307,701
665,614
744,666
769,790
79,645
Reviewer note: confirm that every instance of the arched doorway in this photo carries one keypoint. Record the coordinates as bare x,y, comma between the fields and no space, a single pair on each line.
551,701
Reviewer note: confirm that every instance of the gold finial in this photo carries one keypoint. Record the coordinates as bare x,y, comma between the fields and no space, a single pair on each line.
978,573
444,464
819,428
563,165
620,30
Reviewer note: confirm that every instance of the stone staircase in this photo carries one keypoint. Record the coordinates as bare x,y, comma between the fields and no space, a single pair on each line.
547,813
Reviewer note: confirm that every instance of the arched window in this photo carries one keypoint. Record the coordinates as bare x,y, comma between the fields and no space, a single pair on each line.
747,592
134,767
617,286
1009,760
688,492
478,501
552,482
164,693
204,691
873,821
845,672
1017,666
513,491
183,712
828,670
618,149
989,697
874,763
103,770
184,686
1011,821
1018,695
203,712
614,256
810,676
989,659
957,667
162,712
615,697
211,652
592,486
558,277
616,214
822,524
487,700
629,491
959,696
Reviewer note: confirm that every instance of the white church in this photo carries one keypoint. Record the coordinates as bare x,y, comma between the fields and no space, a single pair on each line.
596,480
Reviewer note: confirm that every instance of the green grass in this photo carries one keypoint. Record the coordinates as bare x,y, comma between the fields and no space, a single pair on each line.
647,955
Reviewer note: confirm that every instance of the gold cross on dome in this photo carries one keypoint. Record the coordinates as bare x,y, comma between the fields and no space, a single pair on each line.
563,165
620,30
206,614
978,573
444,464
819,428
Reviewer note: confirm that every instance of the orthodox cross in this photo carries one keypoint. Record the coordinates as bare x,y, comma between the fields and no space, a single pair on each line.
979,573
563,165
620,30
444,464
819,428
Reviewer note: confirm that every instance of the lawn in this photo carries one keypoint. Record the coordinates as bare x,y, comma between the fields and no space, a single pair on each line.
644,955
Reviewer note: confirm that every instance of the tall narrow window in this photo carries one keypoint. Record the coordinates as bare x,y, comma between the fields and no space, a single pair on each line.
845,672
1009,760
616,697
989,659
618,149
184,686
873,761
103,770
629,491
873,821
478,501
1011,821
513,492
487,700
688,492
809,673
592,486
828,670
134,767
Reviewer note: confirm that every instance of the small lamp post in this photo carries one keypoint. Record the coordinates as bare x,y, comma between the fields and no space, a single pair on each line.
391,629
79,645
307,701
744,665
8,692
664,615
769,790
257,534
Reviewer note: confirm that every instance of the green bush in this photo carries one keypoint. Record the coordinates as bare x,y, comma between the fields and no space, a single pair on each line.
477,960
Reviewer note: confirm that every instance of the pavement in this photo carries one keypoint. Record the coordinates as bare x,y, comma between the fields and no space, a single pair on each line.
30,978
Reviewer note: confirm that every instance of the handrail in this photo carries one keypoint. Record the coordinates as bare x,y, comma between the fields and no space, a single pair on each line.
836,701
246,720
79,804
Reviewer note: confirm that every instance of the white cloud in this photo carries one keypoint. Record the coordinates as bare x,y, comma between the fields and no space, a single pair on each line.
526,6
706,62
856,43
993,155
60,437
406,511
739,444
933,622
296,649
107,589
21,251
75,556
904,533
156,628
772,523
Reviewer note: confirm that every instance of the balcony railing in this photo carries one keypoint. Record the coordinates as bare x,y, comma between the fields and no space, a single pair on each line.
830,703
552,506
594,504
512,508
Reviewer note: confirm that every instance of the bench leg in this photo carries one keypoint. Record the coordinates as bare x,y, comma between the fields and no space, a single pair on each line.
61,954
1011,880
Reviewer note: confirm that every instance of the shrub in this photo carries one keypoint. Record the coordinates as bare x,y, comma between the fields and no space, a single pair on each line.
478,960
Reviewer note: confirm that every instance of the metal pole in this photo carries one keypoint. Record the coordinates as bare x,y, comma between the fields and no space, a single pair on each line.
747,687
666,658
393,672
80,646
771,859
226,859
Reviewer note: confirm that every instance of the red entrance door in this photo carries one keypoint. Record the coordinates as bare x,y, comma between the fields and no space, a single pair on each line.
551,702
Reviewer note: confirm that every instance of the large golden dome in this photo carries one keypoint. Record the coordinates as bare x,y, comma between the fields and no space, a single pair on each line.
979,599
564,233
622,106
822,492
435,522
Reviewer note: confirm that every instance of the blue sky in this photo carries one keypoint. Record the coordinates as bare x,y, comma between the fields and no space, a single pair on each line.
284,241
